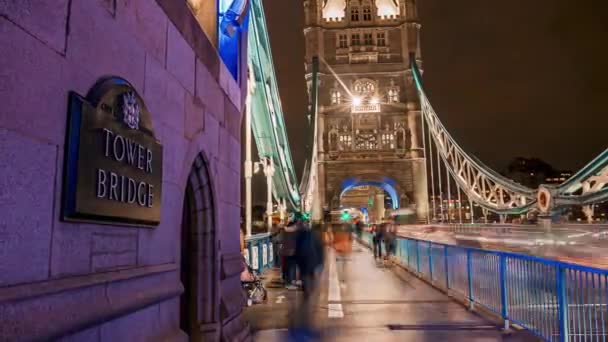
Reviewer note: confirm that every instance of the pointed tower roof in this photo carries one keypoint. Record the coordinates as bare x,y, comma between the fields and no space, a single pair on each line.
334,9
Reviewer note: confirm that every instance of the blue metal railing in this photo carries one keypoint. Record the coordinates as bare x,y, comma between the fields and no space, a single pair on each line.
555,300
259,252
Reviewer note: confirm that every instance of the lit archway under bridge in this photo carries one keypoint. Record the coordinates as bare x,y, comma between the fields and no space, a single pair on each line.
386,184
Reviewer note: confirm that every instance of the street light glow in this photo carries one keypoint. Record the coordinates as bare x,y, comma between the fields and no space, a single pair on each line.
374,100
356,101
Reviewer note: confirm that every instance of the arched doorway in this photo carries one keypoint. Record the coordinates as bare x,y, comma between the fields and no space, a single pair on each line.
199,267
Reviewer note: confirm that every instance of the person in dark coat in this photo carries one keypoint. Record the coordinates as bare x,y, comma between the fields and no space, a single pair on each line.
310,257
288,239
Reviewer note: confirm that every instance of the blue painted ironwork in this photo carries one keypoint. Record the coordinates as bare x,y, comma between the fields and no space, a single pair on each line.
504,306
260,252
555,300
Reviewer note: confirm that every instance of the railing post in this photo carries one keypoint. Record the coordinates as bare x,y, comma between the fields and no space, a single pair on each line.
418,256
407,247
562,304
431,260
470,278
447,274
503,290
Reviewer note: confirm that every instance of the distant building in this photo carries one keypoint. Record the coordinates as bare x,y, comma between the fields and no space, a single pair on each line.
532,172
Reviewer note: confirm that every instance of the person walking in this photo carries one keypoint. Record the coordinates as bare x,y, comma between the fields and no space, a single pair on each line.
310,256
288,254
378,238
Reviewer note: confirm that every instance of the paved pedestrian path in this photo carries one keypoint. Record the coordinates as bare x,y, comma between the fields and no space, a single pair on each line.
366,302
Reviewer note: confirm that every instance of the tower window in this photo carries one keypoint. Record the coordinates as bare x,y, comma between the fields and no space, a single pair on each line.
354,14
393,95
381,39
388,140
367,13
368,39
355,39
336,97
342,41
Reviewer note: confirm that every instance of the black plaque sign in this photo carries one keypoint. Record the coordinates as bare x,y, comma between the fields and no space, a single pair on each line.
113,163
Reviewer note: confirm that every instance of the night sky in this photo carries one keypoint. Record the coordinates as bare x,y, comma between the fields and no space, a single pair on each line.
507,78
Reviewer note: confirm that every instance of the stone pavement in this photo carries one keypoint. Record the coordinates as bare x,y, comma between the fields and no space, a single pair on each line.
374,303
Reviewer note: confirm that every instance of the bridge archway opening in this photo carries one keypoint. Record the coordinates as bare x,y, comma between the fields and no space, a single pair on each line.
371,197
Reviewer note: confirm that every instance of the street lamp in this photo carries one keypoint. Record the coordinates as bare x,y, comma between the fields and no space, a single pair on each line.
356,101
267,165
248,164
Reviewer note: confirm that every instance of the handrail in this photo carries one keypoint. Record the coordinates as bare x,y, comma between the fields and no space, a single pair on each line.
555,300
259,252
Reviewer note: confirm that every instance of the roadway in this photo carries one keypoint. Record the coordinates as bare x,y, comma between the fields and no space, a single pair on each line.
367,302
581,244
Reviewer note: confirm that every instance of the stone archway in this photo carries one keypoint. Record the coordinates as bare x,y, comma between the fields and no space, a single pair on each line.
199,304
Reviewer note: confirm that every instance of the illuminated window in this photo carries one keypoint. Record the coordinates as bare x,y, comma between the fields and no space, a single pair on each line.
381,39
388,140
355,39
354,14
393,95
336,97
342,41
366,141
364,87
368,39
345,142
367,13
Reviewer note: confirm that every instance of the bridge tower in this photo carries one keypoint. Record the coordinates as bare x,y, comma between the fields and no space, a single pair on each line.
369,123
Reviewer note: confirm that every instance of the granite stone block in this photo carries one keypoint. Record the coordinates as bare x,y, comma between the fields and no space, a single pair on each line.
71,250
113,243
45,20
142,325
148,23
180,58
230,86
164,97
209,91
161,244
32,76
169,314
26,199
104,48
87,335
174,147
233,119
195,116
29,319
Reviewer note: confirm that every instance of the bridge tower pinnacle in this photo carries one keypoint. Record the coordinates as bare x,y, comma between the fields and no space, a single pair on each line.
369,130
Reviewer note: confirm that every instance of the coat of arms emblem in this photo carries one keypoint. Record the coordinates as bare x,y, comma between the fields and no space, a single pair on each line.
130,110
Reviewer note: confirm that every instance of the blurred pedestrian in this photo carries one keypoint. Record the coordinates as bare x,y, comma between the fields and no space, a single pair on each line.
288,254
310,256
378,239
343,245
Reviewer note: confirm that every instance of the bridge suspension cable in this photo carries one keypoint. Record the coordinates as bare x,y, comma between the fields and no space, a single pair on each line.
496,193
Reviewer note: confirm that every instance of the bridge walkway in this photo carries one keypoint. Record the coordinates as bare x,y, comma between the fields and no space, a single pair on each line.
366,302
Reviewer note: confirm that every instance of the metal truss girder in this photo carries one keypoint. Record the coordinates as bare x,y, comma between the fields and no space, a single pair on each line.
267,114
483,186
